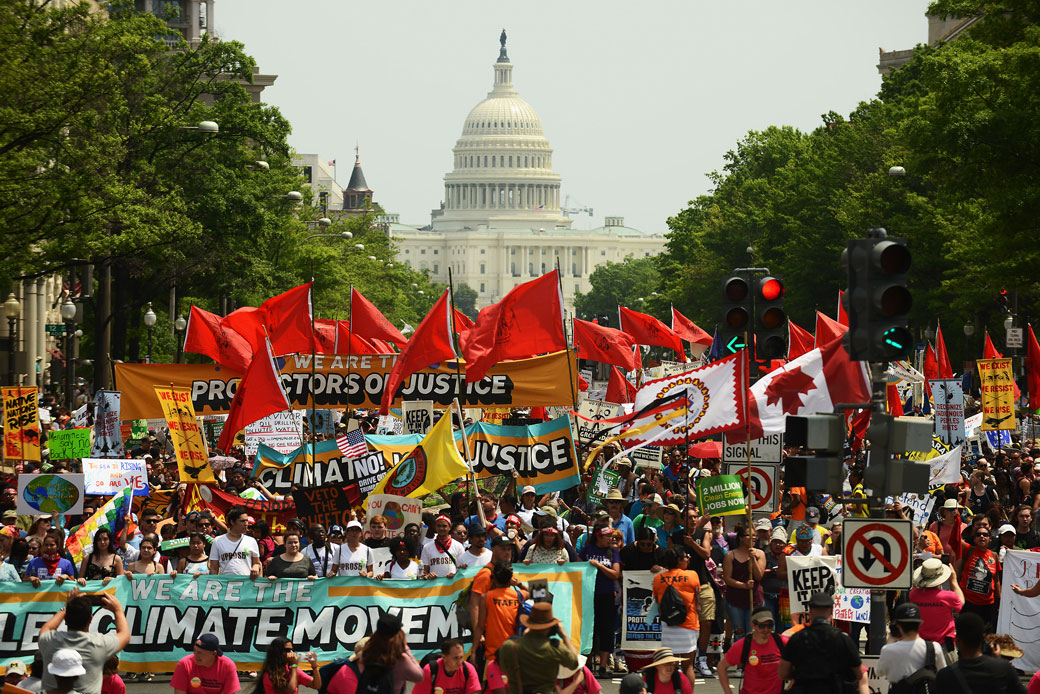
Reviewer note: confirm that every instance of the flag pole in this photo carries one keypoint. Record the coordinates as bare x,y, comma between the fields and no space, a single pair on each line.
563,322
747,442
314,358
458,393
350,340
292,410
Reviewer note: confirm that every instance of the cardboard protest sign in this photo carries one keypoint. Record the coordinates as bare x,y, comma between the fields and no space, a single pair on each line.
58,494
721,495
641,627
68,444
590,412
418,416
326,465
808,575
600,485
107,476
188,444
537,381
329,505
398,511
108,435
850,604
21,423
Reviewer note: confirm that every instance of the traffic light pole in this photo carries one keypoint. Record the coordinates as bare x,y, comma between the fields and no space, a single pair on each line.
878,434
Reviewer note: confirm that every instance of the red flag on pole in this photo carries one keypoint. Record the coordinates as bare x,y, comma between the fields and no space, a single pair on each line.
941,357
462,321
619,389
206,334
526,322
259,394
647,330
249,323
800,342
606,345
930,367
325,336
351,343
827,329
1033,369
288,320
368,321
895,403
688,330
431,343
843,318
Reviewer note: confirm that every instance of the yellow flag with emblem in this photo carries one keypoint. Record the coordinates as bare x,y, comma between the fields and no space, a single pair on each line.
432,464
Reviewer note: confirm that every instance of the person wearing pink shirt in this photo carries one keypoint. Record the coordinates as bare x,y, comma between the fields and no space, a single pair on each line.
937,606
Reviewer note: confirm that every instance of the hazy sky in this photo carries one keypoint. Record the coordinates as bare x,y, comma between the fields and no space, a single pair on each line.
639,101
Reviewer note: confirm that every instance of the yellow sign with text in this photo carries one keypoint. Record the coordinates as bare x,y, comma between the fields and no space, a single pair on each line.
21,424
998,394
188,441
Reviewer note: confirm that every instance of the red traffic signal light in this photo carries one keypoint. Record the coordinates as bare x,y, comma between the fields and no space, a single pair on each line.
770,288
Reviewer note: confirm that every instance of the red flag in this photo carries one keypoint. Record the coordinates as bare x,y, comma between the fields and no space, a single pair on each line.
606,345
249,323
430,344
367,321
895,403
526,322
1033,369
941,357
206,334
619,390
382,347
462,321
647,330
583,385
288,320
990,351
351,343
259,394
800,342
858,422
325,336
827,329
930,367
688,330
843,318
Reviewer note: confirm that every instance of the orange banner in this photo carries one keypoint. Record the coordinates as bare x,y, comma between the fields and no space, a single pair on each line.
21,423
530,382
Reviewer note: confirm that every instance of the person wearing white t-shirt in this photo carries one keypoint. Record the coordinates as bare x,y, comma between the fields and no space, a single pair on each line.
528,499
234,553
353,558
320,552
440,556
478,554
907,653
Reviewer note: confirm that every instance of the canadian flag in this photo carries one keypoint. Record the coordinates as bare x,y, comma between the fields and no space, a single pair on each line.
810,384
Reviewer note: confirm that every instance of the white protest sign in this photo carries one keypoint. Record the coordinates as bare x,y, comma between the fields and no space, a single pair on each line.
1017,616
108,476
946,468
640,630
768,449
398,511
920,505
381,560
808,575
282,431
417,415
594,409
648,456
876,684
948,408
972,424
851,604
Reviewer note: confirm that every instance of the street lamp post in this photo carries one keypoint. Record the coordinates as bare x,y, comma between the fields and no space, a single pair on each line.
68,314
149,322
179,327
969,332
12,309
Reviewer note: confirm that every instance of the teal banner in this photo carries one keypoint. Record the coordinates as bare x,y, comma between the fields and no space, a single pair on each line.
328,615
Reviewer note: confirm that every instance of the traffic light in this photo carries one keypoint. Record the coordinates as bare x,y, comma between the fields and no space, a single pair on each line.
1002,298
770,320
737,302
893,436
822,470
878,299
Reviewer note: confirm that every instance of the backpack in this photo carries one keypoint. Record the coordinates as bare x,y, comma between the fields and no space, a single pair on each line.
374,680
923,680
328,671
431,659
651,682
673,607
746,650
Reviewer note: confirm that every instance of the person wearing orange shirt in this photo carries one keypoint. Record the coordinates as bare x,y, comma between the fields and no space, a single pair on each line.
502,607
501,551
682,638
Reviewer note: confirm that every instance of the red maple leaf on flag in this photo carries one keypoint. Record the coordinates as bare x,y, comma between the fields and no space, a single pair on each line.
788,389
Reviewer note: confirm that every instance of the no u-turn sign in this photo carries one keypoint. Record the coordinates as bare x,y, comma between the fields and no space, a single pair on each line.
876,553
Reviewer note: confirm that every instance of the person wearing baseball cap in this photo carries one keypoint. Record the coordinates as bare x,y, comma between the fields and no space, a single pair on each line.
353,558
820,655
812,521
528,505
802,539
908,652
206,671
757,654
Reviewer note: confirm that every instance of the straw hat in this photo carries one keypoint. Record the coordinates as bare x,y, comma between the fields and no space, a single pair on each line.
566,673
614,495
663,656
931,573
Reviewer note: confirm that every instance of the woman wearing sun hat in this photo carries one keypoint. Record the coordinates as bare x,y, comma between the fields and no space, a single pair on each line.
664,674
937,606
577,680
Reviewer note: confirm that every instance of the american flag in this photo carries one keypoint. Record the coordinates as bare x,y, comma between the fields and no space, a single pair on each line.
353,444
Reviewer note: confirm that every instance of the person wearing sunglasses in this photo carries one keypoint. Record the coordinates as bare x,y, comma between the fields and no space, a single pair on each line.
756,657
977,570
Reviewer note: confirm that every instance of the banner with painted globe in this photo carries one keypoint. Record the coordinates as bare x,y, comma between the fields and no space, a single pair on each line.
57,494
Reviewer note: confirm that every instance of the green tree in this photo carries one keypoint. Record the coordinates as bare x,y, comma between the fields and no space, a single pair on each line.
466,300
630,283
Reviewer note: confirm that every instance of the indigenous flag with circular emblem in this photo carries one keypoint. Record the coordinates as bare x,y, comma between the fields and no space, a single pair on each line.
430,465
